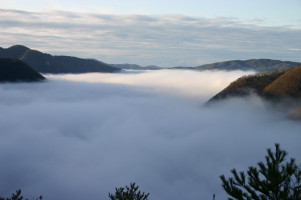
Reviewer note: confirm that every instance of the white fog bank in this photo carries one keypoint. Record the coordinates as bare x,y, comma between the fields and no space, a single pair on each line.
185,83
80,136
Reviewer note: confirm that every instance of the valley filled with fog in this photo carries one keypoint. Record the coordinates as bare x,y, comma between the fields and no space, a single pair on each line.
78,136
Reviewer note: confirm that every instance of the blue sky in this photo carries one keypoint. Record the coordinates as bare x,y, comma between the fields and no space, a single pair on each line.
166,33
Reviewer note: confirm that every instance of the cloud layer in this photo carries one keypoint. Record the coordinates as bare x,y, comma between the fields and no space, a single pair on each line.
162,40
68,139
184,83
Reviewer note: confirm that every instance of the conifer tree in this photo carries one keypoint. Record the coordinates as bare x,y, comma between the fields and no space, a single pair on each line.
17,196
128,193
275,179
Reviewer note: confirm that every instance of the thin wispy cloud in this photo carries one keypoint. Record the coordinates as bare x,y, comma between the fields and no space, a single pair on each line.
169,40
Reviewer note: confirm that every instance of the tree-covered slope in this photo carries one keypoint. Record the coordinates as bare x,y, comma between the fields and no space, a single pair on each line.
246,84
288,84
273,85
46,63
13,70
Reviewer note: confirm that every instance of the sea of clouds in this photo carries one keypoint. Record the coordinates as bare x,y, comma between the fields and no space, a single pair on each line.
78,136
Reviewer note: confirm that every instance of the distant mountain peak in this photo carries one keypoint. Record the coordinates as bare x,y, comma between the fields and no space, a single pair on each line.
15,51
18,46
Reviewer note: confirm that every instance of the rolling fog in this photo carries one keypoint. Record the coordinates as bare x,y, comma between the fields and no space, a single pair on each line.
80,136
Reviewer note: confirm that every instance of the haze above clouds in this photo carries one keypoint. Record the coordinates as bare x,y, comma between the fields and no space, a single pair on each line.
80,136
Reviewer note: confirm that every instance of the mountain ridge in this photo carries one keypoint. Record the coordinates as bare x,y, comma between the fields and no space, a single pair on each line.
259,65
273,85
47,63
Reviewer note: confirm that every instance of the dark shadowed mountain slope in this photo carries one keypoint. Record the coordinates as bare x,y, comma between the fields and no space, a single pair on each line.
260,65
46,63
14,70
273,85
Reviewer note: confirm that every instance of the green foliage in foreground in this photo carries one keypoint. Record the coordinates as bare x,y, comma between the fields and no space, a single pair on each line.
128,193
18,196
273,180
